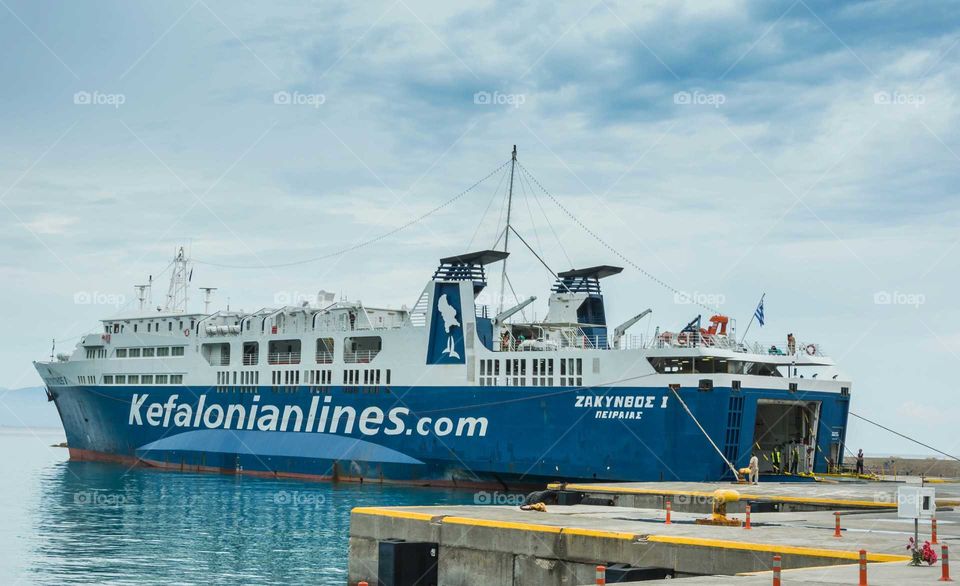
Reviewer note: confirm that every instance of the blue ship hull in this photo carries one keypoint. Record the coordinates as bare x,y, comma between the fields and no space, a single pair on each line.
461,436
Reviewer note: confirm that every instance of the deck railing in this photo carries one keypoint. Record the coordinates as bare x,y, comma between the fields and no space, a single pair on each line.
361,356
283,358
324,357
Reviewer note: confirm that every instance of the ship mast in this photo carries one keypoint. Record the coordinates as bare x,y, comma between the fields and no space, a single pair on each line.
177,294
506,231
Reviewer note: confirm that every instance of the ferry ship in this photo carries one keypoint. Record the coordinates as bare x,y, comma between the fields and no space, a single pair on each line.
446,393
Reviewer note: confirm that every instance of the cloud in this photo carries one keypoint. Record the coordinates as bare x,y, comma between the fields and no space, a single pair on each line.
800,183
50,224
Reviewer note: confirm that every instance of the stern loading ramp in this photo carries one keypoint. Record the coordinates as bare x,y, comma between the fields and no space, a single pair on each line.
504,546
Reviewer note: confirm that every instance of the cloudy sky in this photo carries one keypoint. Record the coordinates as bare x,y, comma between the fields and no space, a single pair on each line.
804,149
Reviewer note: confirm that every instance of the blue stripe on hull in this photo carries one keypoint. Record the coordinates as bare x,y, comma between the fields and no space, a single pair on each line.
532,434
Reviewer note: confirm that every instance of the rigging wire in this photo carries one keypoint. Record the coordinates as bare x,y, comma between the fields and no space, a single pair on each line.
365,243
543,262
905,436
596,237
536,199
533,223
487,209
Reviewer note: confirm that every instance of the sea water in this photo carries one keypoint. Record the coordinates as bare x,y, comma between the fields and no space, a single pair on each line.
65,522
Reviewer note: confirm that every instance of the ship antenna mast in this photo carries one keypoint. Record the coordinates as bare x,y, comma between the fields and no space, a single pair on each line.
177,294
141,294
506,231
208,291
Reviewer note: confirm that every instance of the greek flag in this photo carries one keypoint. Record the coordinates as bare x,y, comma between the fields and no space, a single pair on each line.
759,313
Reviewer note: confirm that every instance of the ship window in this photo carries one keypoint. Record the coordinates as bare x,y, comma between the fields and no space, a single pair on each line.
134,327
388,376
176,351
133,352
251,353
163,351
161,379
133,379
121,379
148,352
146,379
283,352
176,379
108,379
361,349
121,352
324,350
169,326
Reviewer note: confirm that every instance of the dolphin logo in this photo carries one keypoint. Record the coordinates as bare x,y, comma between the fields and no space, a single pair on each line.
449,315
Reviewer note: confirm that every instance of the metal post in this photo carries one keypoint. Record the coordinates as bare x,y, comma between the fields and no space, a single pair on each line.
863,567
747,525
777,560
669,509
601,575
836,531
933,531
944,564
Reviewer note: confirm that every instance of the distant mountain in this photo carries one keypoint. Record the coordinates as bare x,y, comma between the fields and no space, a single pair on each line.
27,408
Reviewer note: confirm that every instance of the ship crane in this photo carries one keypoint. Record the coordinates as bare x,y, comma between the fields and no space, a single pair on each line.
620,330
505,315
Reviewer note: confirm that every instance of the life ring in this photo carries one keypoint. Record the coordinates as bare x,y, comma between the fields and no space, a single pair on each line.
186,332
683,338
811,349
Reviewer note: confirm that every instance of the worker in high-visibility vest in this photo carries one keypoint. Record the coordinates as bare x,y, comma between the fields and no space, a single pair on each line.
795,459
777,458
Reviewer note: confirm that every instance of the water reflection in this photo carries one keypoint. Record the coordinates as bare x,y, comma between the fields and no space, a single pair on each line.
97,522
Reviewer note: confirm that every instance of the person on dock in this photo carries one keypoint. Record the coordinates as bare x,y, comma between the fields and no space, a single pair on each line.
860,461
795,458
754,469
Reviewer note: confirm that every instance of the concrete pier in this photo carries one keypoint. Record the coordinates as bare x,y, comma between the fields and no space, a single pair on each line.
505,546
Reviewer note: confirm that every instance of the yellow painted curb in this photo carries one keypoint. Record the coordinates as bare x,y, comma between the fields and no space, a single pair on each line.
601,534
501,524
775,548
378,512
743,496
